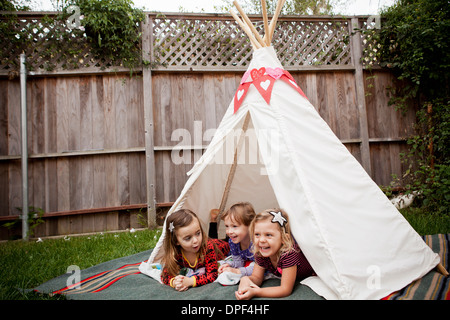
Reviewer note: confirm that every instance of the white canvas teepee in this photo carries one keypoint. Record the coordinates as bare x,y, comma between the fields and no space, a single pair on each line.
273,149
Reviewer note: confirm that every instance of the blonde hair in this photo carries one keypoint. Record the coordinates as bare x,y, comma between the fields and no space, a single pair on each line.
287,241
241,212
179,219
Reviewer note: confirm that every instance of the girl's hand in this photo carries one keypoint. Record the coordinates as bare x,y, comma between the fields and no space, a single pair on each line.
230,269
247,293
245,283
247,289
177,282
182,283
222,267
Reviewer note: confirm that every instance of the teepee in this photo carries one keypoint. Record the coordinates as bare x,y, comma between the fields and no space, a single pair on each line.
273,149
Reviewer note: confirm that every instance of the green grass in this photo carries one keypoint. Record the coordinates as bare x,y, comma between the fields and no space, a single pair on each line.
27,264
425,222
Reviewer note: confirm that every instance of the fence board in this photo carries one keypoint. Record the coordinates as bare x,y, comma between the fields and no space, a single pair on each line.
50,118
63,179
388,124
4,118
62,115
51,185
14,136
98,113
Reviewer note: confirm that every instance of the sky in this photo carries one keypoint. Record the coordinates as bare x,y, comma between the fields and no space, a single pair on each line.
351,7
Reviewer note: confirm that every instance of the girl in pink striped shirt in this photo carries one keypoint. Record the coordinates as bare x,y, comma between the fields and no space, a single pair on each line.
275,251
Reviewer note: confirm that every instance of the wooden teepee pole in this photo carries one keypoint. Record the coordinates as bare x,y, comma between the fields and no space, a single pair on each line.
266,22
232,171
441,269
273,22
249,23
255,44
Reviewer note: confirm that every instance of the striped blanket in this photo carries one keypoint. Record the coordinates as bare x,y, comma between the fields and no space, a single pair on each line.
102,282
99,282
433,286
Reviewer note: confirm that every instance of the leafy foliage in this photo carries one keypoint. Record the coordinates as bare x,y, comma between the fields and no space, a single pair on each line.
414,38
414,43
34,219
113,27
107,35
12,5
314,7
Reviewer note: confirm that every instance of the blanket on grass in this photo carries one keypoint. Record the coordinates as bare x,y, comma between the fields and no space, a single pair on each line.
120,279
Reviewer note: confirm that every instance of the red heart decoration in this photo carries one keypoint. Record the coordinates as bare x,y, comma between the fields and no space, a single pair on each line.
245,76
257,73
240,94
287,74
275,73
264,84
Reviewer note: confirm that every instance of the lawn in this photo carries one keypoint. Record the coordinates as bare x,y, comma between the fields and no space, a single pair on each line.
427,223
28,264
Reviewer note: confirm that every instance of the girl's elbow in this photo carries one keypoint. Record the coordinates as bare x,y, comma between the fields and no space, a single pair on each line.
285,292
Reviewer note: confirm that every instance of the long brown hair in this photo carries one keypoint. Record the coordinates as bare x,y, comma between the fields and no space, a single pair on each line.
172,249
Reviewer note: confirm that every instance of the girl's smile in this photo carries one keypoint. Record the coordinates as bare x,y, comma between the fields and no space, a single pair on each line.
267,239
238,232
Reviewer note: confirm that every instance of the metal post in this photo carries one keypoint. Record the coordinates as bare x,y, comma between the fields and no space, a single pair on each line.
147,33
23,111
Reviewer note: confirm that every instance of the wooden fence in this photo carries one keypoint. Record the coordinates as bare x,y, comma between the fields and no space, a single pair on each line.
101,143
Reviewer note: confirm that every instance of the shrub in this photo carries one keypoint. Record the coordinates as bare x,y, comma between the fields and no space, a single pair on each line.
113,28
414,43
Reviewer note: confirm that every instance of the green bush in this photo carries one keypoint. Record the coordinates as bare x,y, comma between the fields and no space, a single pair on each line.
110,30
414,44
414,39
113,28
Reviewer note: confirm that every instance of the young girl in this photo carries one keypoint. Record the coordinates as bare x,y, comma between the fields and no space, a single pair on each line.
237,223
277,252
187,246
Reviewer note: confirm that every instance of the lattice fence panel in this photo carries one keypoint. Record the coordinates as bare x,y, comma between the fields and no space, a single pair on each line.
183,42
199,42
186,41
300,43
370,46
49,44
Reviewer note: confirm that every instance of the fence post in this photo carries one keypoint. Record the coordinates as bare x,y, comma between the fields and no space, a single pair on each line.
24,134
147,31
360,94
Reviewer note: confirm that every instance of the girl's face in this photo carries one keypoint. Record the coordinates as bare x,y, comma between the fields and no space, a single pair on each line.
267,238
190,237
236,231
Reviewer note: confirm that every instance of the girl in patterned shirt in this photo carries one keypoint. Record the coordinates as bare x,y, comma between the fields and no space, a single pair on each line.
275,251
186,246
